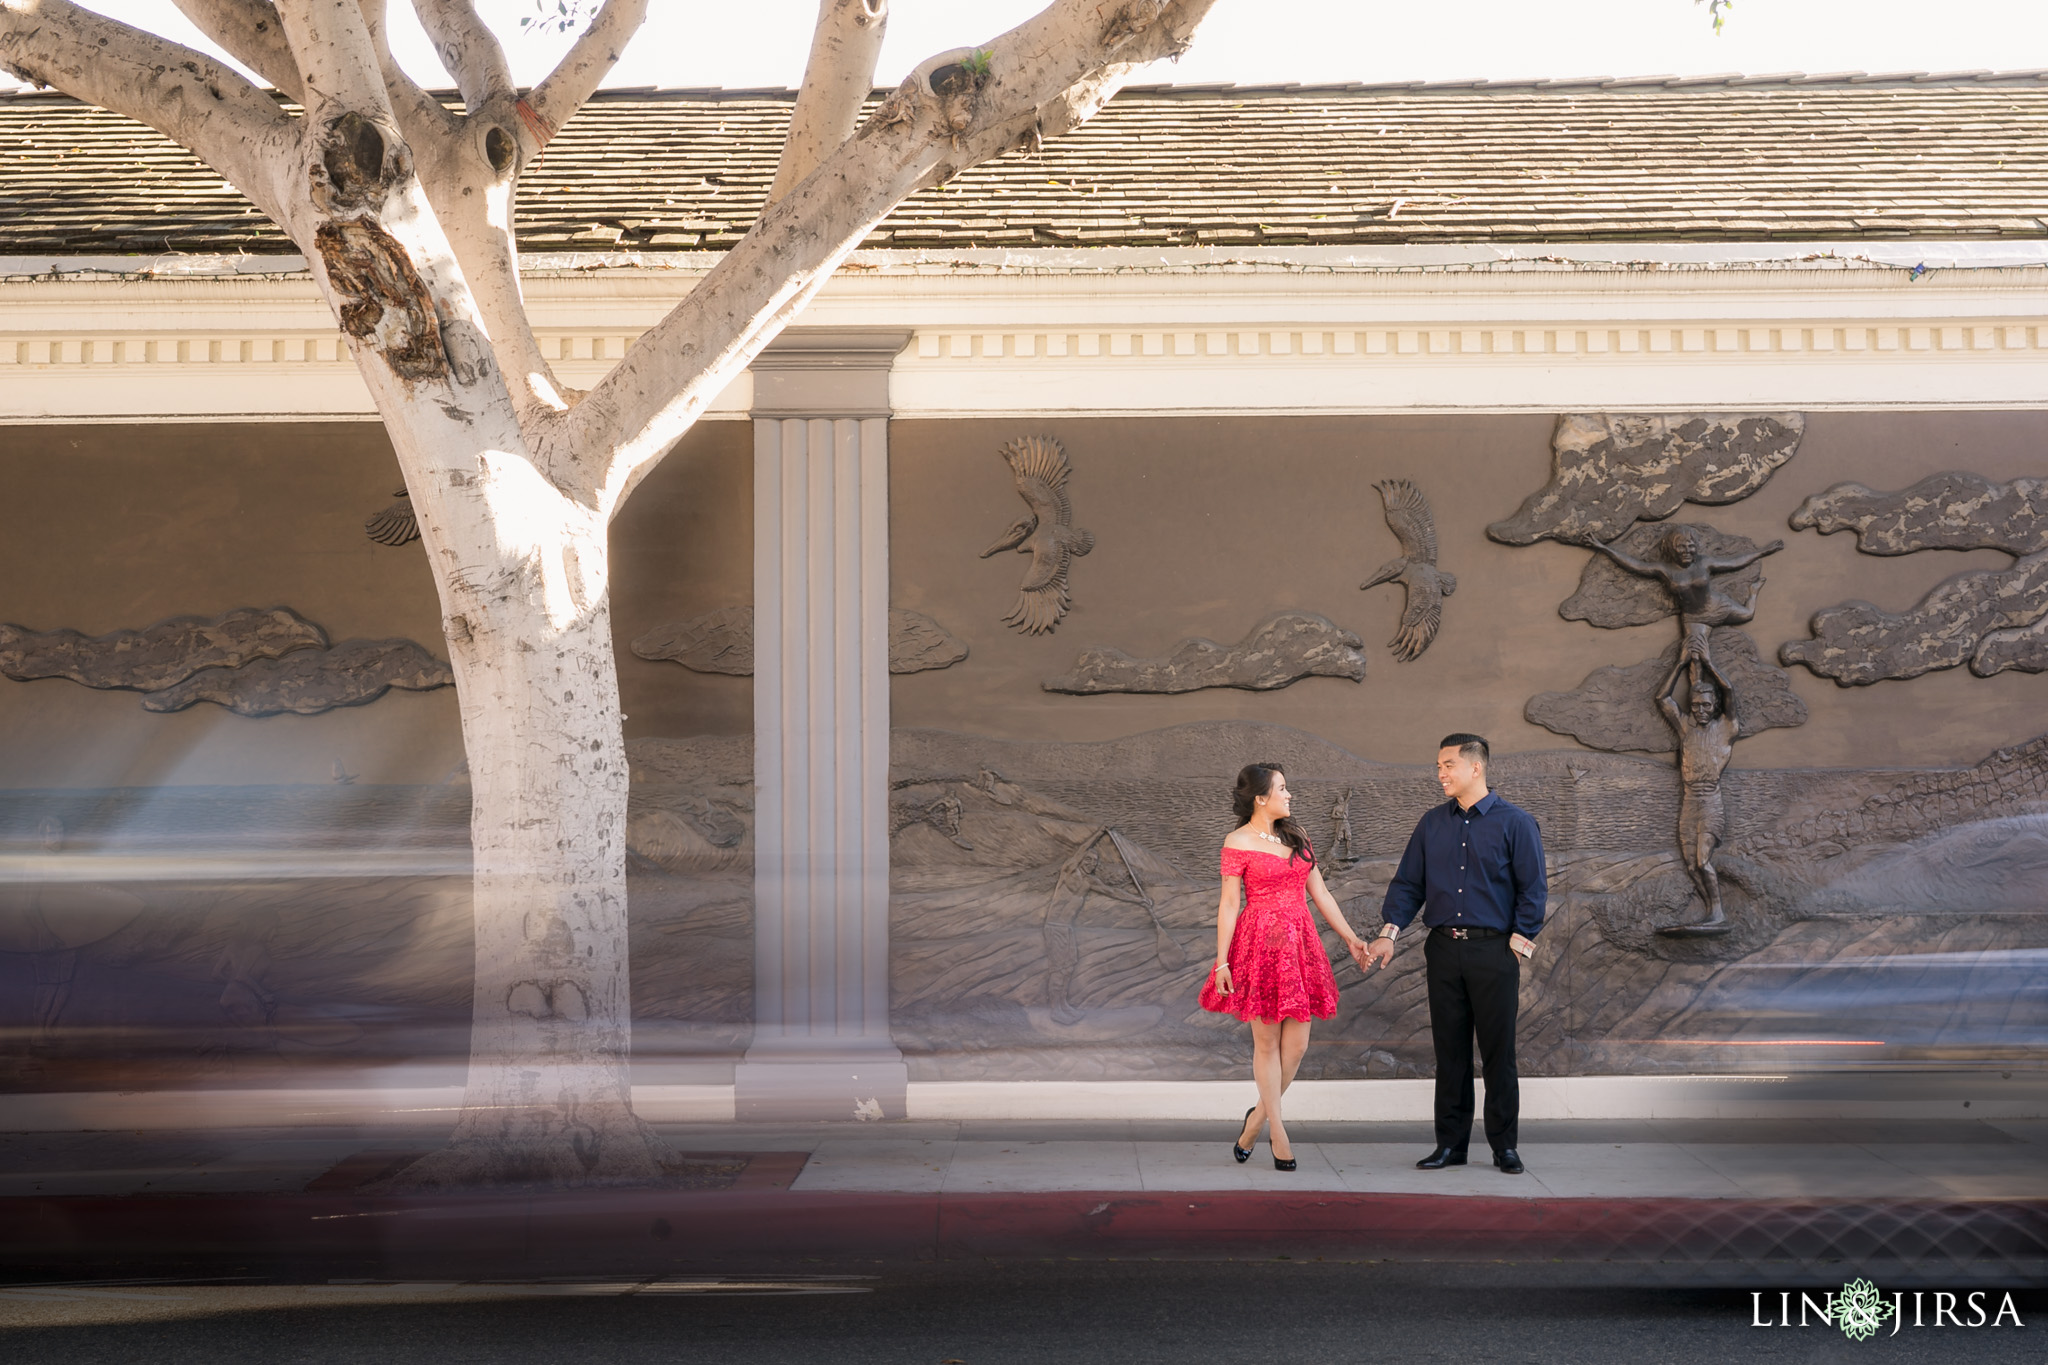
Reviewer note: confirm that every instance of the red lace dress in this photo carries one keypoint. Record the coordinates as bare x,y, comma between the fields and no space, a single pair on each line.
1278,969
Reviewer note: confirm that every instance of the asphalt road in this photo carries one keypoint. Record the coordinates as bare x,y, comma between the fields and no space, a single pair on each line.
1102,1313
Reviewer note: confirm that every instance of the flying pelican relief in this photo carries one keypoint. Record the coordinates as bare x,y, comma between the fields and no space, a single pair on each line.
1414,525
1047,533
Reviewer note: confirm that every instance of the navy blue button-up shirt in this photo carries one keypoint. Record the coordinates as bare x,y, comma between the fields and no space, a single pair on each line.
1478,869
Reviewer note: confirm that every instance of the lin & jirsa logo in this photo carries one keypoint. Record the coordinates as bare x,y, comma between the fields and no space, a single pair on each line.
1861,1311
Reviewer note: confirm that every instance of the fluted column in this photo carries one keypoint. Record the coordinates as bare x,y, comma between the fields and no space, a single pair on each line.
821,1044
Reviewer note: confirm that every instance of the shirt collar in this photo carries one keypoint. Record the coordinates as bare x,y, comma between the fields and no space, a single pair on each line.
1479,807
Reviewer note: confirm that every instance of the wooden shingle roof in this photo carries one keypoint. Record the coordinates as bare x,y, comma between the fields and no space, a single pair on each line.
1963,155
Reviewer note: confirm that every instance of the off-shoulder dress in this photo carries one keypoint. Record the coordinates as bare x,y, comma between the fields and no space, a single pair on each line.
1278,969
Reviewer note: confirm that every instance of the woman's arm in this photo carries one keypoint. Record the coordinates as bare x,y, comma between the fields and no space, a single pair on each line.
1226,925
1725,563
1333,912
1629,561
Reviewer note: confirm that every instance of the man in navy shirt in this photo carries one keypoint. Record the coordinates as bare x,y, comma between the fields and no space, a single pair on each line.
1474,868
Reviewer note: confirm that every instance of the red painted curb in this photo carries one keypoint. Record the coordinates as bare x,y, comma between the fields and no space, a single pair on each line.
513,1232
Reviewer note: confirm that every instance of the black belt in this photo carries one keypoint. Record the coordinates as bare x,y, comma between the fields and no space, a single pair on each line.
1457,932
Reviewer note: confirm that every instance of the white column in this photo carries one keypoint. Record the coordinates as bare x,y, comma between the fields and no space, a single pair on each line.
821,1044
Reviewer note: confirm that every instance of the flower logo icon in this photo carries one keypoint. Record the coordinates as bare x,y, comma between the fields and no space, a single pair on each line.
1860,1310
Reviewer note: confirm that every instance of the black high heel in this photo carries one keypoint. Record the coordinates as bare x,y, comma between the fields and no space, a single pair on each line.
1240,1153
1283,1163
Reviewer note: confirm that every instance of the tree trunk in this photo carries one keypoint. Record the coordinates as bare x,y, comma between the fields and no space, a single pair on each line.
528,619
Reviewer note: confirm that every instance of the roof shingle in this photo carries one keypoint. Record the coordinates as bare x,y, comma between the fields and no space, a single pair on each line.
1663,159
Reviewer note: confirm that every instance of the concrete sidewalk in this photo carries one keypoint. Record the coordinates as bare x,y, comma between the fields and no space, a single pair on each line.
2007,1162
1702,1159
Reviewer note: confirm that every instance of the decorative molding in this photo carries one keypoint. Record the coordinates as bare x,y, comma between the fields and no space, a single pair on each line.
1629,326
1558,340
1225,367
213,373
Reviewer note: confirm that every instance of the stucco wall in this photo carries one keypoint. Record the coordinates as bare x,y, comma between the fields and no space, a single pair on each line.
119,527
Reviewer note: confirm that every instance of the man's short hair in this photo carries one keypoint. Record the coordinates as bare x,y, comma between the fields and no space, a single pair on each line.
1468,746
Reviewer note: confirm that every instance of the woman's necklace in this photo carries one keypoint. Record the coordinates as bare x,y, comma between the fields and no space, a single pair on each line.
1269,838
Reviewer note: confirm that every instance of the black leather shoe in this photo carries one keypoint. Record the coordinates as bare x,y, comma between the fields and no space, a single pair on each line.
1242,1154
1440,1158
1284,1163
1509,1161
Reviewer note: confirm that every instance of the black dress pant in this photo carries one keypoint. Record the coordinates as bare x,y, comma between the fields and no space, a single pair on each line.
1474,984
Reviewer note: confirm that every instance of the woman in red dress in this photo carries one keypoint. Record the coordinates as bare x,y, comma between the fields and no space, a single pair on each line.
1270,965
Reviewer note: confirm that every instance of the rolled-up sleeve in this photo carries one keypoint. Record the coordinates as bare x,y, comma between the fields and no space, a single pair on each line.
1532,884
1410,886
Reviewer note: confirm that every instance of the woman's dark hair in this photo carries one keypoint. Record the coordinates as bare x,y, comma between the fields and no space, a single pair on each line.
1255,781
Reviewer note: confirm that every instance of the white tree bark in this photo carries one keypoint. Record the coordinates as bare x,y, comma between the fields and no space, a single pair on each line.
837,79
249,31
404,211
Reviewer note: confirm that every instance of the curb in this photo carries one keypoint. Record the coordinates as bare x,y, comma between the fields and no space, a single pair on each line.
583,1232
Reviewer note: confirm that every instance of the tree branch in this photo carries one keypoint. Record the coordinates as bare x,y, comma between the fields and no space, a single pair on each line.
249,31
337,59
841,71
420,115
556,99
206,107
469,50
470,175
1044,76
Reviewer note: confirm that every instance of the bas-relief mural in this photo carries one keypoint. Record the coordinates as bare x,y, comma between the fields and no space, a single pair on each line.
1606,473
1993,620
255,662
1053,903
396,525
722,641
1426,586
1046,532
1280,650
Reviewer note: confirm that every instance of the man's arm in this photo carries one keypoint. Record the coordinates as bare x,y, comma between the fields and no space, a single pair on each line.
1667,695
1532,884
1410,886
1405,895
